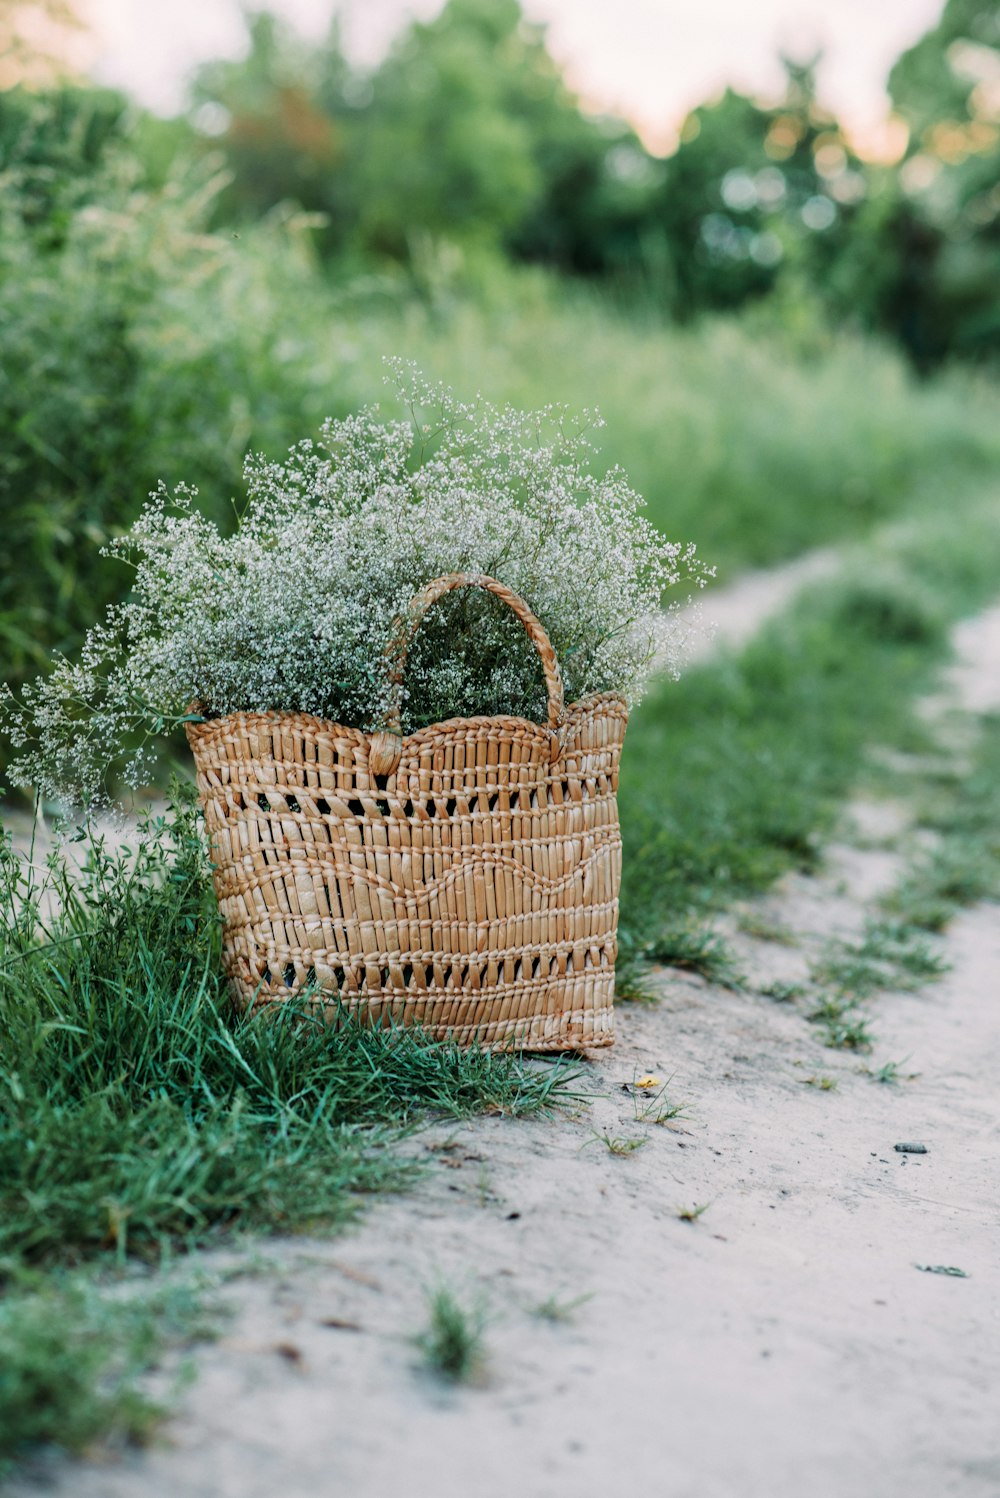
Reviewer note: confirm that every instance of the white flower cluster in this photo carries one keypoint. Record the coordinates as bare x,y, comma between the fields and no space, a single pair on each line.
295,610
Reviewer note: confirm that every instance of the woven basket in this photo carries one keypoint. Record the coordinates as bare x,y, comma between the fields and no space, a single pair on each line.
464,878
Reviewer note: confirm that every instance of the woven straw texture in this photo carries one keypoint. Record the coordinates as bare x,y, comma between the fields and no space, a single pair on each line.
464,878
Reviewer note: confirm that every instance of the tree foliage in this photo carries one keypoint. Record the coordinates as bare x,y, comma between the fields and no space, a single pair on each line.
756,194
943,231
465,133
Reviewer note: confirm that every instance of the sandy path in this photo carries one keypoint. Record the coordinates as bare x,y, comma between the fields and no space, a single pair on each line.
731,615
784,1344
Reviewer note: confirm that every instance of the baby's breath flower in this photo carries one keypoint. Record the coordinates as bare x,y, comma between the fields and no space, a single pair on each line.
295,609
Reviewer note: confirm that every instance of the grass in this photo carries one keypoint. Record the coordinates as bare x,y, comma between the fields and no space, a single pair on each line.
75,1355
895,952
963,866
136,1109
844,1027
560,1311
735,775
452,1344
957,874
932,893
139,1116
965,809
618,1144
889,1074
653,1106
697,949
692,1214
888,955
762,928
633,981
751,444
783,992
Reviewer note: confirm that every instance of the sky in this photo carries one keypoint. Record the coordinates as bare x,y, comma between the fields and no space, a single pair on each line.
649,60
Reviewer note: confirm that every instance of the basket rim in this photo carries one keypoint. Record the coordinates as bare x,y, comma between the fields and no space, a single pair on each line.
615,703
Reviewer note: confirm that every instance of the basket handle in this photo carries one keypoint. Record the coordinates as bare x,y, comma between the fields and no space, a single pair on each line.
386,746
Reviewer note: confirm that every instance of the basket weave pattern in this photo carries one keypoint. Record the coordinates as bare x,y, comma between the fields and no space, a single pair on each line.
471,889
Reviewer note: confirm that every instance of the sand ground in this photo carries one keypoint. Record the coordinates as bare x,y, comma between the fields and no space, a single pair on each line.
785,1344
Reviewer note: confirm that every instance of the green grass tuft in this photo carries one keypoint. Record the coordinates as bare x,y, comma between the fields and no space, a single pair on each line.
844,1027
697,949
453,1342
559,1311
820,1082
961,872
889,955
618,1144
633,978
75,1354
653,1106
888,1074
783,992
692,1214
136,1108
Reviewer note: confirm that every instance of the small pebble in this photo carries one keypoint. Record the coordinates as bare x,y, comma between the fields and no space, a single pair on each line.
910,1149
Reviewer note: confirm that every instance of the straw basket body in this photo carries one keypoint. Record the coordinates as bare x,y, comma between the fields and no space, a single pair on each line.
464,878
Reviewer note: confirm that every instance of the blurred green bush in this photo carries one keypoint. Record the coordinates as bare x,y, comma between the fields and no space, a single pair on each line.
132,345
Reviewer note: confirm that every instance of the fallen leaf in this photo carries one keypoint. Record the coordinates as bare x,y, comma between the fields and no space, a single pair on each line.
357,1275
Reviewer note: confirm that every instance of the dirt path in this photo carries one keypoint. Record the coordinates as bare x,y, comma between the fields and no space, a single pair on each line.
783,1344
733,614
